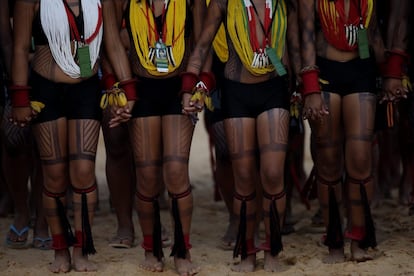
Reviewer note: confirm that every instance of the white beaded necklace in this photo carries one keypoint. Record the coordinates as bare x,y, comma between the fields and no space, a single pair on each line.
55,25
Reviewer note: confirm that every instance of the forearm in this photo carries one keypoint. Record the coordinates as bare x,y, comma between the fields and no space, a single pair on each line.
114,50
375,38
398,26
22,30
202,51
293,38
306,24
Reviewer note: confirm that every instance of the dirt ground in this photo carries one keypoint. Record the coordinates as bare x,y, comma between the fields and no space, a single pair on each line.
302,253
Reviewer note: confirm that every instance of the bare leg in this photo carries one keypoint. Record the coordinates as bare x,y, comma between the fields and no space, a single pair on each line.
83,141
223,176
121,177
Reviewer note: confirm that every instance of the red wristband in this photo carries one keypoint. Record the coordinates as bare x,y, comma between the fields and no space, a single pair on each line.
188,82
395,64
20,95
108,81
310,81
129,86
209,80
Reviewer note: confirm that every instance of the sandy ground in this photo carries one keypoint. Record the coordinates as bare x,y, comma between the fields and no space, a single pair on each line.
302,250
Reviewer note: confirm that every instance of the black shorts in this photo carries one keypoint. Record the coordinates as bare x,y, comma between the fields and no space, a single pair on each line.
72,101
158,97
344,78
250,100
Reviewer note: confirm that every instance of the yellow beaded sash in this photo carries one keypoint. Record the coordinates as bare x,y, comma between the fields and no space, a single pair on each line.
144,33
238,30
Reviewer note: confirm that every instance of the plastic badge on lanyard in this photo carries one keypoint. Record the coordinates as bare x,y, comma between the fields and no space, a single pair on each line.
363,43
84,60
161,58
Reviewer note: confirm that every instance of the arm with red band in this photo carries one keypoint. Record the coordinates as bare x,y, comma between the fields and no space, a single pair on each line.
209,81
188,82
129,86
395,64
20,95
310,82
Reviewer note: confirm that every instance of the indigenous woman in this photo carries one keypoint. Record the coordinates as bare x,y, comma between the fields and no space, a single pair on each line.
221,164
61,99
340,45
396,87
160,34
255,102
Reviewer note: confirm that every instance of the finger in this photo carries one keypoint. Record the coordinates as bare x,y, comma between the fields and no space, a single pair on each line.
112,125
190,109
125,115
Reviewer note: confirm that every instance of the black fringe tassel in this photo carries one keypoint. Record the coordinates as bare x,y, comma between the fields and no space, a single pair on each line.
275,234
179,250
87,240
334,236
370,239
156,232
64,222
241,245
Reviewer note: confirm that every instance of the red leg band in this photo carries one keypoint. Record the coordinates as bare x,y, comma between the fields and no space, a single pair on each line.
266,245
188,245
251,247
310,81
148,243
79,239
357,233
59,242
130,88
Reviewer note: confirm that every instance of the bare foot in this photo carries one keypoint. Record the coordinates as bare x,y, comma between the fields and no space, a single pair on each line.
228,241
271,263
151,263
81,263
185,267
246,265
335,256
61,264
358,254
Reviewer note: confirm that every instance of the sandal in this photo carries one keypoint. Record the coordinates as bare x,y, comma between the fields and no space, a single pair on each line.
42,243
121,242
21,237
226,245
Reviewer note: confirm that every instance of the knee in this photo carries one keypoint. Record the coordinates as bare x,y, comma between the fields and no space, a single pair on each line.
272,178
330,167
55,180
82,176
244,179
175,176
148,183
359,165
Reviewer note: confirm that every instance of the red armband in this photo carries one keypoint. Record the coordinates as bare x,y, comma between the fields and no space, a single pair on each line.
188,82
129,86
209,81
395,65
108,81
20,95
310,82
